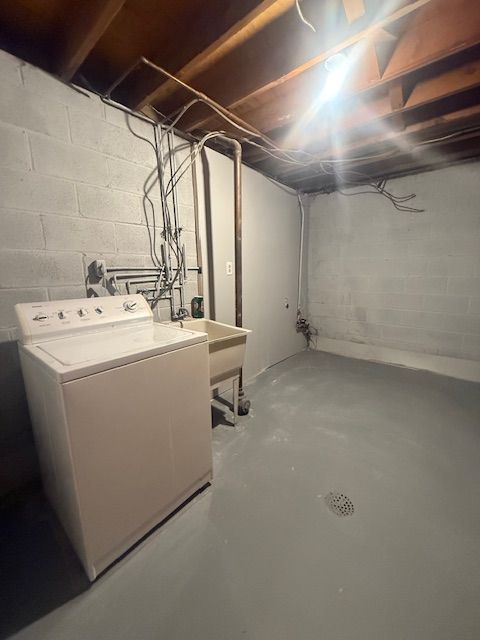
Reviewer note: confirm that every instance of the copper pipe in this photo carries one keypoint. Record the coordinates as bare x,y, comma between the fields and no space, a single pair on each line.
237,179
237,169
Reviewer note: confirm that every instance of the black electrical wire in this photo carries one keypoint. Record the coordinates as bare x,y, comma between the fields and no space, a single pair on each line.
379,187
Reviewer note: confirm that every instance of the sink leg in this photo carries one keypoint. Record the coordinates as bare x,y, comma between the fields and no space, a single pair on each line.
235,399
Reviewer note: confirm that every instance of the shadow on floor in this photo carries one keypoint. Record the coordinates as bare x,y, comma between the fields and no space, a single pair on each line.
221,412
39,570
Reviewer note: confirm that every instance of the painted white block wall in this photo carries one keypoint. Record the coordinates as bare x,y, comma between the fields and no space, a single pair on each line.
71,182
72,176
271,247
408,282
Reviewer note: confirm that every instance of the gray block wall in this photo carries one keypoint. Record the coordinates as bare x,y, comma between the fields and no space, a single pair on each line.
400,280
72,177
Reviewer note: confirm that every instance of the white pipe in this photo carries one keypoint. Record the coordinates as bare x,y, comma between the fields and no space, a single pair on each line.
300,265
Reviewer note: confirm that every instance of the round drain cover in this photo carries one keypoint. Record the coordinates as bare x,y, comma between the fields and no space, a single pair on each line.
339,504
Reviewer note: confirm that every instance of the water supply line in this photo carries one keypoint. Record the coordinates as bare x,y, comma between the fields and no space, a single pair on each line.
300,264
303,325
237,207
199,94
244,404
237,164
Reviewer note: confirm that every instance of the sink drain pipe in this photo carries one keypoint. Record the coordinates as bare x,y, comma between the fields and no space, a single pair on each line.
243,405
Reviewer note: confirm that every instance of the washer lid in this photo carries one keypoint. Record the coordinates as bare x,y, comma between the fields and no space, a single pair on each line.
106,346
83,355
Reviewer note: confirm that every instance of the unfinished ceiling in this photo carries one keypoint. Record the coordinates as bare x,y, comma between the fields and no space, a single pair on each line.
409,100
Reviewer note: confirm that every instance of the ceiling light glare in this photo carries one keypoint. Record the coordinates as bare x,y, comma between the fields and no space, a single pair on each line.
337,67
336,62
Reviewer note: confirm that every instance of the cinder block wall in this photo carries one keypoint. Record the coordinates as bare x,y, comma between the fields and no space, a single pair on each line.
72,178
405,281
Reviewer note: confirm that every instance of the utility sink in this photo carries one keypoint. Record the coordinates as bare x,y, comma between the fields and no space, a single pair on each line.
226,347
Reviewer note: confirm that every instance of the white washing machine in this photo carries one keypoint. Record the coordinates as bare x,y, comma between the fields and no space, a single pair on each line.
120,408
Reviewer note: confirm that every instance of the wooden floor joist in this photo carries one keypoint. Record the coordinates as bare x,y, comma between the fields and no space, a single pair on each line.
289,75
266,12
414,66
90,23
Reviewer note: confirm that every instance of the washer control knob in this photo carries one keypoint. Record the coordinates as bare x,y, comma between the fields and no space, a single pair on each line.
130,305
82,312
40,317
99,310
62,315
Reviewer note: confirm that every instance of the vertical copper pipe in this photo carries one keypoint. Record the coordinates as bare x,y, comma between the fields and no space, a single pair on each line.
237,177
237,169
198,242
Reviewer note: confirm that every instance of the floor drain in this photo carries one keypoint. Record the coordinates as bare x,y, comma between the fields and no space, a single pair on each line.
339,504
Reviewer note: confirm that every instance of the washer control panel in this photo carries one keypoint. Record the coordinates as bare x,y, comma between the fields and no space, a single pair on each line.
40,321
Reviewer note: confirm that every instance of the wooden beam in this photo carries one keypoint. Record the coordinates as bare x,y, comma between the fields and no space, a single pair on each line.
90,21
397,95
354,9
414,133
312,62
288,103
384,51
396,92
444,154
286,107
446,27
374,137
410,154
385,43
382,35
446,84
360,117
256,20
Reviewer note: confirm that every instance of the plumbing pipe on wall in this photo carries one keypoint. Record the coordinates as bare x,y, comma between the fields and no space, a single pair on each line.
237,163
237,160
237,206
300,264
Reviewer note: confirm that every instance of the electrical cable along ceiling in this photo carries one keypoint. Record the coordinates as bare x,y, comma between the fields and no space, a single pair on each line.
322,94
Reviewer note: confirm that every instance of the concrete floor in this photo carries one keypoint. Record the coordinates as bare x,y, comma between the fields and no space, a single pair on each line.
259,555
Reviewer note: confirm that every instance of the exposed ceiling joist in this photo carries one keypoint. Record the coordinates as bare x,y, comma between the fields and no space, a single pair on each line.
382,35
434,35
255,93
396,107
414,72
409,139
447,152
462,36
446,84
91,20
290,103
398,96
448,123
265,13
